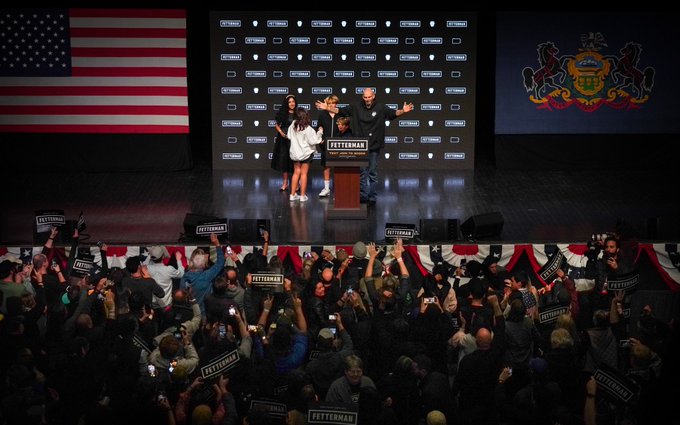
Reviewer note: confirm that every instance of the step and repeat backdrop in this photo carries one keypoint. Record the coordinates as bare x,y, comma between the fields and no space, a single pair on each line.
257,58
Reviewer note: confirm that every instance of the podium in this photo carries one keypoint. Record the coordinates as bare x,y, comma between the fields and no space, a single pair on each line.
347,156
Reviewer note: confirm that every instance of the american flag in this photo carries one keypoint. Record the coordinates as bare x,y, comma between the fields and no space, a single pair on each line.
93,71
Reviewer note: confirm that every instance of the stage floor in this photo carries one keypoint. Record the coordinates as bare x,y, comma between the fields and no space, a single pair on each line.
536,206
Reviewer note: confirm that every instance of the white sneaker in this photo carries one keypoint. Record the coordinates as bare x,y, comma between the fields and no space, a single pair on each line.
295,197
325,192
304,198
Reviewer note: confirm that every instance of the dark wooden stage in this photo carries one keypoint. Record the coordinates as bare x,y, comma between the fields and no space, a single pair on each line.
536,206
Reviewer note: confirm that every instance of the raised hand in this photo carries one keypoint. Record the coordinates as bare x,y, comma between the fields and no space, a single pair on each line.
297,302
268,301
372,251
398,248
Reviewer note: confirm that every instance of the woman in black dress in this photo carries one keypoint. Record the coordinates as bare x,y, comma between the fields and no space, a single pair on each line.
281,155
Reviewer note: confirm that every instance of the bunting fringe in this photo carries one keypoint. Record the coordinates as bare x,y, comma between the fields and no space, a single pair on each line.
664,257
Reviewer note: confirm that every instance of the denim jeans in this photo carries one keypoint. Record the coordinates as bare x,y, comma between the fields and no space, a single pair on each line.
369,177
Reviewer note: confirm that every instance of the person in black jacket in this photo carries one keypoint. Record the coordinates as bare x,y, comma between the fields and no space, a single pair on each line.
328,364
368,121
317,308
478,371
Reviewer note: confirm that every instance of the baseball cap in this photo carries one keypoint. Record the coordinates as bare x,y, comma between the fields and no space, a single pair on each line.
359,250
283,321
157,252
11,258
326,333
538,365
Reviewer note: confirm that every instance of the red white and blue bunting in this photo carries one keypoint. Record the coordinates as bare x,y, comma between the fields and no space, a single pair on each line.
664,257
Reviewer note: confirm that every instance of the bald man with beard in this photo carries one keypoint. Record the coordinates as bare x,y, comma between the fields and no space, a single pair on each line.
478,372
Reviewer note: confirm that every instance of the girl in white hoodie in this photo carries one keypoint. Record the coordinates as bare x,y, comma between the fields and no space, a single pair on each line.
303,140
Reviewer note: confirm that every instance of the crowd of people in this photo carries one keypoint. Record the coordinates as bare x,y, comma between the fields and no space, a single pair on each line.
159,342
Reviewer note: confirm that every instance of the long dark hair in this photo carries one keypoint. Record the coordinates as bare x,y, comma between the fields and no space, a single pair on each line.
282,114
302,119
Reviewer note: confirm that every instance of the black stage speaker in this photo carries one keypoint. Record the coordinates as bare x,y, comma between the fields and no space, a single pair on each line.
487,225
439,229
246,230
192,220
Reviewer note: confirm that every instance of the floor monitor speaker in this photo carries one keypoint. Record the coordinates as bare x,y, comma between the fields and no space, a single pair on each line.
478,226
192,220
439,229
248,230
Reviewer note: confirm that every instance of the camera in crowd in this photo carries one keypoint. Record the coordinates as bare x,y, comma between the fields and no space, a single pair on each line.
178,333
597,240
596,243
601,236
